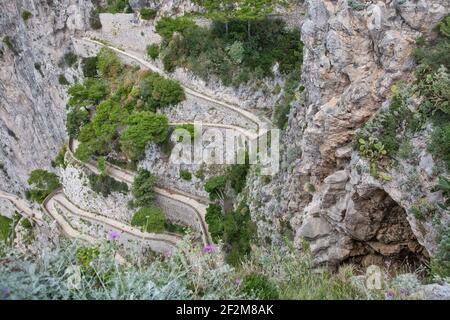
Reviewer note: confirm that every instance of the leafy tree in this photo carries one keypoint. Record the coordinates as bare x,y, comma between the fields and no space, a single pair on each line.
158,92
42,184
252,10
89,66
166,26
76,118
91,92
108,64
105,185
215,186
142,188
143,127
151,219
237,175
222,10
148,13
153,51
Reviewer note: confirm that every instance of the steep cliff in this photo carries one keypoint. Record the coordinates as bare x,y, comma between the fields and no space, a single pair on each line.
33,58
354,53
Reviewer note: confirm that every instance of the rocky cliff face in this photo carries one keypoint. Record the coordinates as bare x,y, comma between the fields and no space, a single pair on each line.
354,53
32,101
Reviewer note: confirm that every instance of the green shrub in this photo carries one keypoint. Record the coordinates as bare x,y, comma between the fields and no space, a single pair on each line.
237,175
142,188
234,57
118,6
148,13
153,51
439,145
356,5
185,175
42,184
281,115
25,223
91,92
215,186
89,67
143,127
94,19
166,26
105,185
151,219
10,43
444,186
38,67
444,26
215,219
188,127
101,164
59,159
26,14
6,225
70,59
260,286
62,80
108,64
158,92
75,120
239,232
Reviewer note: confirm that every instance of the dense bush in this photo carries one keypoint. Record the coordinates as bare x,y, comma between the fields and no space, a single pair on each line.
89,66
70,59
26,15
94,19
239,233
214,218
233,57
237,175
91,92
108,64
63,80
440,143
185,175
148,13
59,159
158,92
142,188
105,185
150,219
153,51
215,186
189,128
166,26
143,127
42,184
260,286
6,225
76,118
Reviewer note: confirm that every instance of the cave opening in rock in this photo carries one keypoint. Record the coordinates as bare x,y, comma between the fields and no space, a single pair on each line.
383,235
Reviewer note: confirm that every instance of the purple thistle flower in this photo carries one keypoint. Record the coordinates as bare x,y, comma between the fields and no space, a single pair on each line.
237,282
390,293
208,249
113,235
402,292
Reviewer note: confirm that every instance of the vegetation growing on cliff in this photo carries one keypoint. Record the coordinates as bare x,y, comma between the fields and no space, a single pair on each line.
233,57
401,121
114,109
42,183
